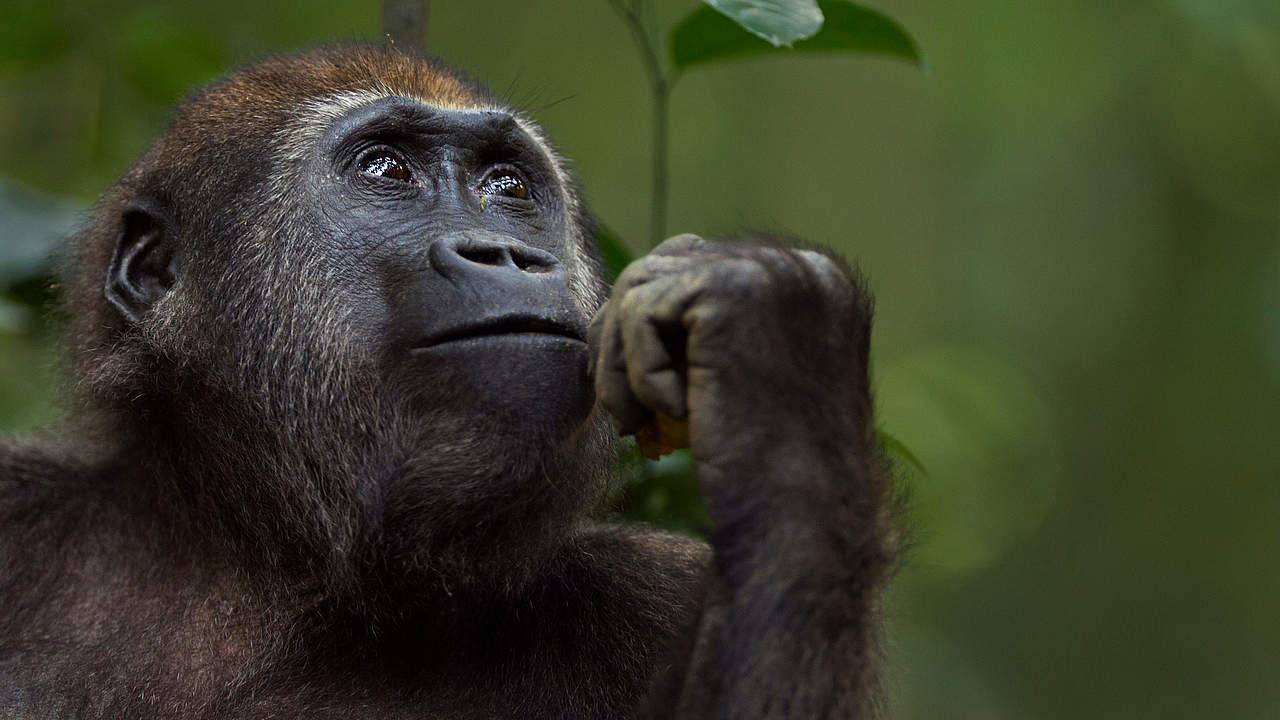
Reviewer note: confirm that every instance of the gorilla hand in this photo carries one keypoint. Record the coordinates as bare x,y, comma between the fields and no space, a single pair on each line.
762,349
745,342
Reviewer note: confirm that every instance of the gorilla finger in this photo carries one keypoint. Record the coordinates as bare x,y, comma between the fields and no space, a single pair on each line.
613,388
595,337
654,352
646,270
662,391
681,245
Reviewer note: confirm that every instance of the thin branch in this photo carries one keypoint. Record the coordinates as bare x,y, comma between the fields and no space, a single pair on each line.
404,22
660,82
649,57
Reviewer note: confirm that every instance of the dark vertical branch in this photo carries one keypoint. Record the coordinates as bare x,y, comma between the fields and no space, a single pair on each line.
661,115
660,81
404,22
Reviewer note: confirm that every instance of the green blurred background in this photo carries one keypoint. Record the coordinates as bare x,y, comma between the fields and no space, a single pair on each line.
1071,225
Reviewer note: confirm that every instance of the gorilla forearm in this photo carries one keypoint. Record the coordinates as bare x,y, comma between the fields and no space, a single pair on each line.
791,623
763,350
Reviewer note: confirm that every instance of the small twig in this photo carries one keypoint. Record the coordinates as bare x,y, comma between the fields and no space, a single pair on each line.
661,83
404,22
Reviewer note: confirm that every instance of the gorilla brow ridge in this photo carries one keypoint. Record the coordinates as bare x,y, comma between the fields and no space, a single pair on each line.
314,115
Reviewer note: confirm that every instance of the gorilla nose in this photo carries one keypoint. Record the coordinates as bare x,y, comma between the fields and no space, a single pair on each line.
480,254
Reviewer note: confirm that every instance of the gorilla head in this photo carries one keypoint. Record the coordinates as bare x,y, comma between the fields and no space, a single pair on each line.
345,304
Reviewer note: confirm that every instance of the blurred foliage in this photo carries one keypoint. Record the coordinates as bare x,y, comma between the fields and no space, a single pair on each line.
780,22
1071,226
706,36
724,30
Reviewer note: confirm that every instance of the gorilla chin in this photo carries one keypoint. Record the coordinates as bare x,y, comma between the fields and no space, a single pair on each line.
503,375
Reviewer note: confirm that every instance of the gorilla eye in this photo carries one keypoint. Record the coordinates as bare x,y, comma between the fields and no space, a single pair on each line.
386,164
506,183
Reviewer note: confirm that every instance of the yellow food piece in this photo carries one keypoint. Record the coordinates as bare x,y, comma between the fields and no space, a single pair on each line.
663,436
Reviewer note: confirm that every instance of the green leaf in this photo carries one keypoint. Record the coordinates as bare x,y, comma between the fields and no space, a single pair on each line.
780,22
616,256
707,36
897,450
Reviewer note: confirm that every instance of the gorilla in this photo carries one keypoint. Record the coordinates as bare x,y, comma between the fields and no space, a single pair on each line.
347,392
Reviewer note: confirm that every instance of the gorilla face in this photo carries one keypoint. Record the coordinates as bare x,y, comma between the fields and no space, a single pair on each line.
454,224
457,218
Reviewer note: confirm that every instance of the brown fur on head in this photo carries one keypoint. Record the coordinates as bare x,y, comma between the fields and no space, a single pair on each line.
251,378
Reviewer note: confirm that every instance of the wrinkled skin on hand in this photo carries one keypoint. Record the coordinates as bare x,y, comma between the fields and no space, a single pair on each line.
717,340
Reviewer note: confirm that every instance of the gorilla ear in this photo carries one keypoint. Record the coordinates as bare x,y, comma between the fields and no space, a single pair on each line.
142,268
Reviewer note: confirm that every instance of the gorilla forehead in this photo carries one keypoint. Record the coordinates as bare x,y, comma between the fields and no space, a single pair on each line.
287,104
408,116
324,84
293,101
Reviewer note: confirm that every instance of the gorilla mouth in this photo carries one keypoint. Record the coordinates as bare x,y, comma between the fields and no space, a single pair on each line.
508,325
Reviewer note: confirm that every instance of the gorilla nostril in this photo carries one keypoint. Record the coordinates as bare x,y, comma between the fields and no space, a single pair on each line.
462,254
541,262
486,254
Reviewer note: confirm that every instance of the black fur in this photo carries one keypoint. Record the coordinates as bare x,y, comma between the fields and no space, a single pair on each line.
281,495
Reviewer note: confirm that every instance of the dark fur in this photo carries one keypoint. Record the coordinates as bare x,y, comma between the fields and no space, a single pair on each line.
212,533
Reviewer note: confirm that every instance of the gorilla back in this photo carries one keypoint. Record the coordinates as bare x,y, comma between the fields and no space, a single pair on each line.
344,370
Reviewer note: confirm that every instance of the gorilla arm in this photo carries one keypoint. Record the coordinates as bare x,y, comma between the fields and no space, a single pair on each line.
763,350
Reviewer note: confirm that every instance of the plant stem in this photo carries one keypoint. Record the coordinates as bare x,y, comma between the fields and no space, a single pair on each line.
405,22
660,83
661,121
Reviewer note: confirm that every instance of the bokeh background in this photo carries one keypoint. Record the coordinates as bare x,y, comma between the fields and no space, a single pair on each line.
1071,221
